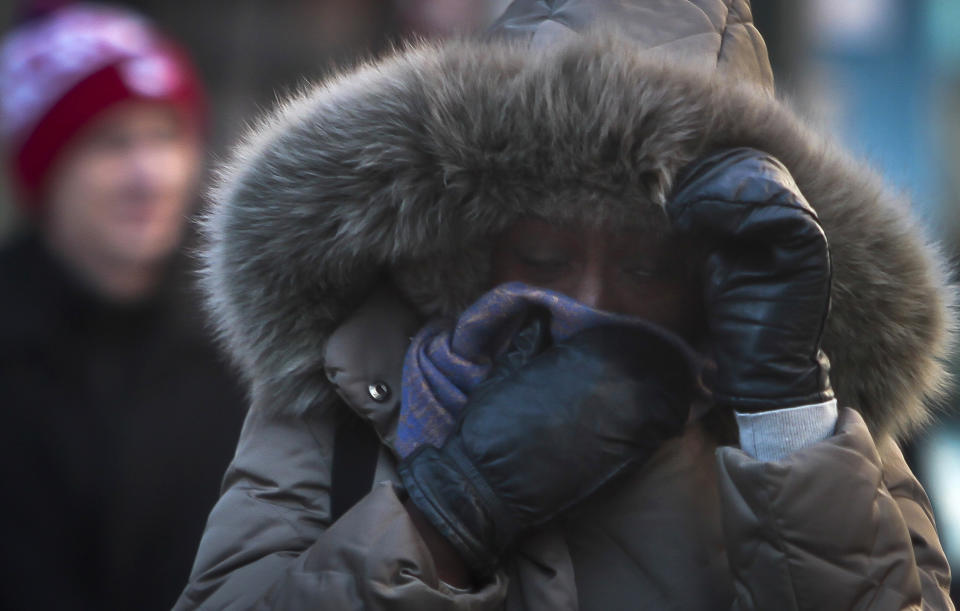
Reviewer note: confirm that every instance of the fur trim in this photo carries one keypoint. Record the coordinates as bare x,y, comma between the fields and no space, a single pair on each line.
411,164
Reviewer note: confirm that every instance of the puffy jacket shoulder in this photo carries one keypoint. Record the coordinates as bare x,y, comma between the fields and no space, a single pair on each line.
841,524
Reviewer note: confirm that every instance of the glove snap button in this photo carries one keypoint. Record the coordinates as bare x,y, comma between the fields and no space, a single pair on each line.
379,391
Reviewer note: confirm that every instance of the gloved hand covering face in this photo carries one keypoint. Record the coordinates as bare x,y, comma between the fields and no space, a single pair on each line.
547,430
447,359
766,279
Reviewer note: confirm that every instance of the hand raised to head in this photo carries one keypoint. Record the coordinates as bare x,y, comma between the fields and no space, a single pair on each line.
766,278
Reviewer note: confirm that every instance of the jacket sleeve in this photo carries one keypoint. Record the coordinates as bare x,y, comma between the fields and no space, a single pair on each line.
842,524
268,542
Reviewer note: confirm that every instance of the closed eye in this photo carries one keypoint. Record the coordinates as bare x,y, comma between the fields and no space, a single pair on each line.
641,272
542,261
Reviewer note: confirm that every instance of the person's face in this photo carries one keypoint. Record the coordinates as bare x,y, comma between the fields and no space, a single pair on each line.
627,272
123,188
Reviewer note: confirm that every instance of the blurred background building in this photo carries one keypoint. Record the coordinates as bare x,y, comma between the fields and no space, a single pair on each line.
882,75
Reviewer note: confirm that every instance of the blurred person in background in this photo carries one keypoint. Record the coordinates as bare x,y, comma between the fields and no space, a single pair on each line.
117,415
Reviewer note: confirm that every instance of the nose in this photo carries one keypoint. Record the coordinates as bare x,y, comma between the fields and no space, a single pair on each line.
145,162
590,288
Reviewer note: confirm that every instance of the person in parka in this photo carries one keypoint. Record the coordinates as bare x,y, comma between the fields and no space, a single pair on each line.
581,278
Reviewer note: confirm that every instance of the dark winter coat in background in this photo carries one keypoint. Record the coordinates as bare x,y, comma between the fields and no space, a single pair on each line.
369,203
115,426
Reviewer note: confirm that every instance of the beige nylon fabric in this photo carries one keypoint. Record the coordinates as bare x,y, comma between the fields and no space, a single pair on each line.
708,34
841,525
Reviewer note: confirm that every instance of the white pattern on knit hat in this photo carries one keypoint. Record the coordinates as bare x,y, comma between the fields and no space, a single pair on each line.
154,76
41,61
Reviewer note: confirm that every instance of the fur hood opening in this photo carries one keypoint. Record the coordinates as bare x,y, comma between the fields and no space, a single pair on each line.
409,165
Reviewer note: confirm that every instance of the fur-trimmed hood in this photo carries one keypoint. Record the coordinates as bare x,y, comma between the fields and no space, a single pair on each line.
404,168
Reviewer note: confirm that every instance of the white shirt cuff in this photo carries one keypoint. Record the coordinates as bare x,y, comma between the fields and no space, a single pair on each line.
775,434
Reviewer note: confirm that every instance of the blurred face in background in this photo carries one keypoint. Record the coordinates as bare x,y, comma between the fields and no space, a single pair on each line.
120,193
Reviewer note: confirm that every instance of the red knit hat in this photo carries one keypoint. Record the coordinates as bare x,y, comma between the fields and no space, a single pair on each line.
60,72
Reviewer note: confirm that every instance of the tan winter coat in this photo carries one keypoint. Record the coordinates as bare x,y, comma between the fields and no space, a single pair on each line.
367,205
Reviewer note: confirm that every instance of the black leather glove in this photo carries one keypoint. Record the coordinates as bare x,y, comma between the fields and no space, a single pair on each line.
546,431
766,279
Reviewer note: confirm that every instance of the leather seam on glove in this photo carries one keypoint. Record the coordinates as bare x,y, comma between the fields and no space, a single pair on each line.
748,206
446,527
